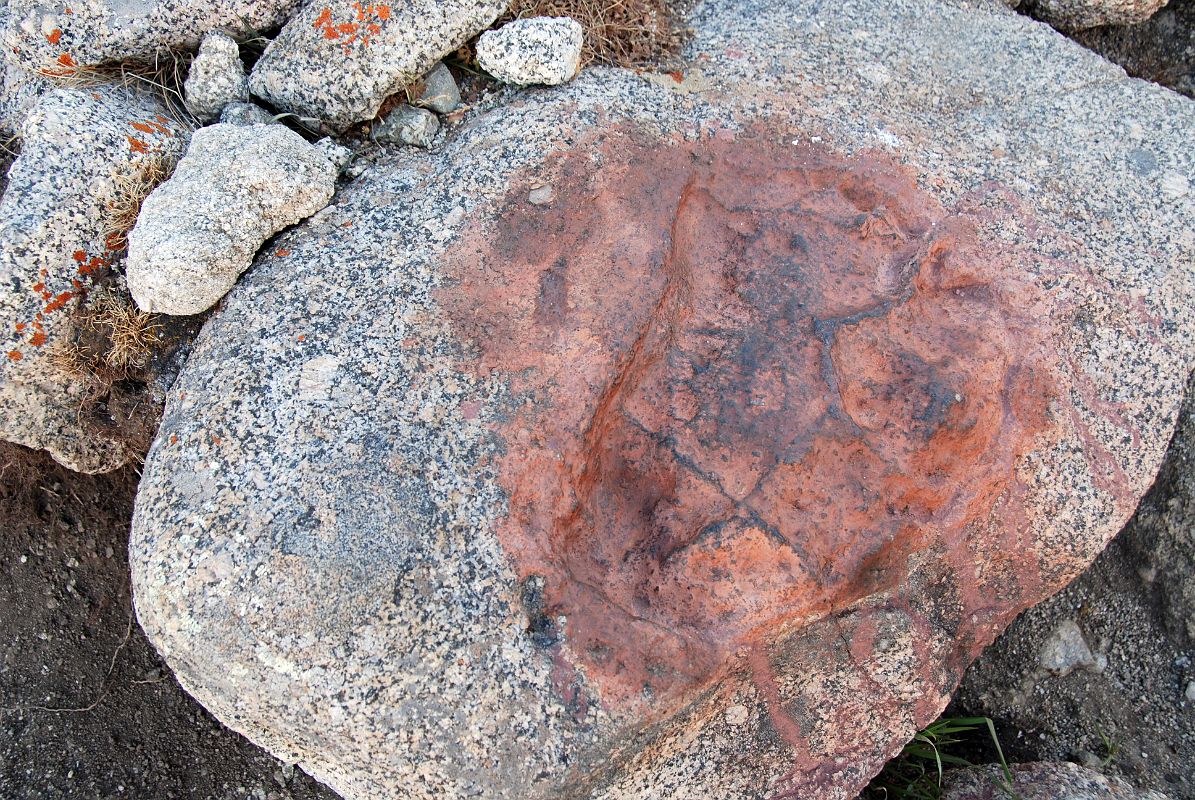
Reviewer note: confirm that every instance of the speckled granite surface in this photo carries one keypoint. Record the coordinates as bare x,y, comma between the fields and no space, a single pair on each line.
318,550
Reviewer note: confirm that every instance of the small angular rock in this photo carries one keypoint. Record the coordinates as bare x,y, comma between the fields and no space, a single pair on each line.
408,125
544,50
338,60
1066,650
337,154
245,114
437,90
217,77
235,187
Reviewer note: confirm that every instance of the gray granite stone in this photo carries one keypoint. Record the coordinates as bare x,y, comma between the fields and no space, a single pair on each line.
1076,15
245,114
315,548
1060,780
235,187
437,90
545,50
408,125
337,61
78,146
217,77
57,37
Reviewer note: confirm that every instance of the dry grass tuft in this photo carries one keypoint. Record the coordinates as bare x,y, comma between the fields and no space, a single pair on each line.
164,76
129,191
625,33
113,340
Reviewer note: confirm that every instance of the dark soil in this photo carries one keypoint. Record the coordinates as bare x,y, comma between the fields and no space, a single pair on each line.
1161,49
89,709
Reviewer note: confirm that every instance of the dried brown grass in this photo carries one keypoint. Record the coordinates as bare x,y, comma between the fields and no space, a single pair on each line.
129,191
164,76
112,340
624,33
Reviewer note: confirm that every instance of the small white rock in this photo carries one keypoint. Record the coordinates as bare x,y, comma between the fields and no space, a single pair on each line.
543,50
1066,650
1175,186
217,77
408,125
541,196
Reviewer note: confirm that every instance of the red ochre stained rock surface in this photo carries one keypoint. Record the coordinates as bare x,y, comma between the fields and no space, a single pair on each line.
746,378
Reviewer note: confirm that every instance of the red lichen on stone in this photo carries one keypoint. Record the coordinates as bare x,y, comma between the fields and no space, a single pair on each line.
54,36
746,378
14,355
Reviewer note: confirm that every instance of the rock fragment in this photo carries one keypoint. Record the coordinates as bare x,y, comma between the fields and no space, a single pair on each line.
543,50
1066,650
81,151
235,187
245,114
338,60
217,77
337,154
437,90
408,125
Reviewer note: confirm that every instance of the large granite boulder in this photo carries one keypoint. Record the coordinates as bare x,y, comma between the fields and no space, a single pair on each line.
659,439
81,151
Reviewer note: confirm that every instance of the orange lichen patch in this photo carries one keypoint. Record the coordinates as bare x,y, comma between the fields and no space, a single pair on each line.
137,146
282,252
151,127
366,22
14,355
66,60
37,339
54,36
59,302
771,375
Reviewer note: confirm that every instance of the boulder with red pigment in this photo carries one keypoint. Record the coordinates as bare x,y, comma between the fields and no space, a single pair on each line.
661,438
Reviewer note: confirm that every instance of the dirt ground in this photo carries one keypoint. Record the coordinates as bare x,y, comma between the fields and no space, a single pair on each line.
88,708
